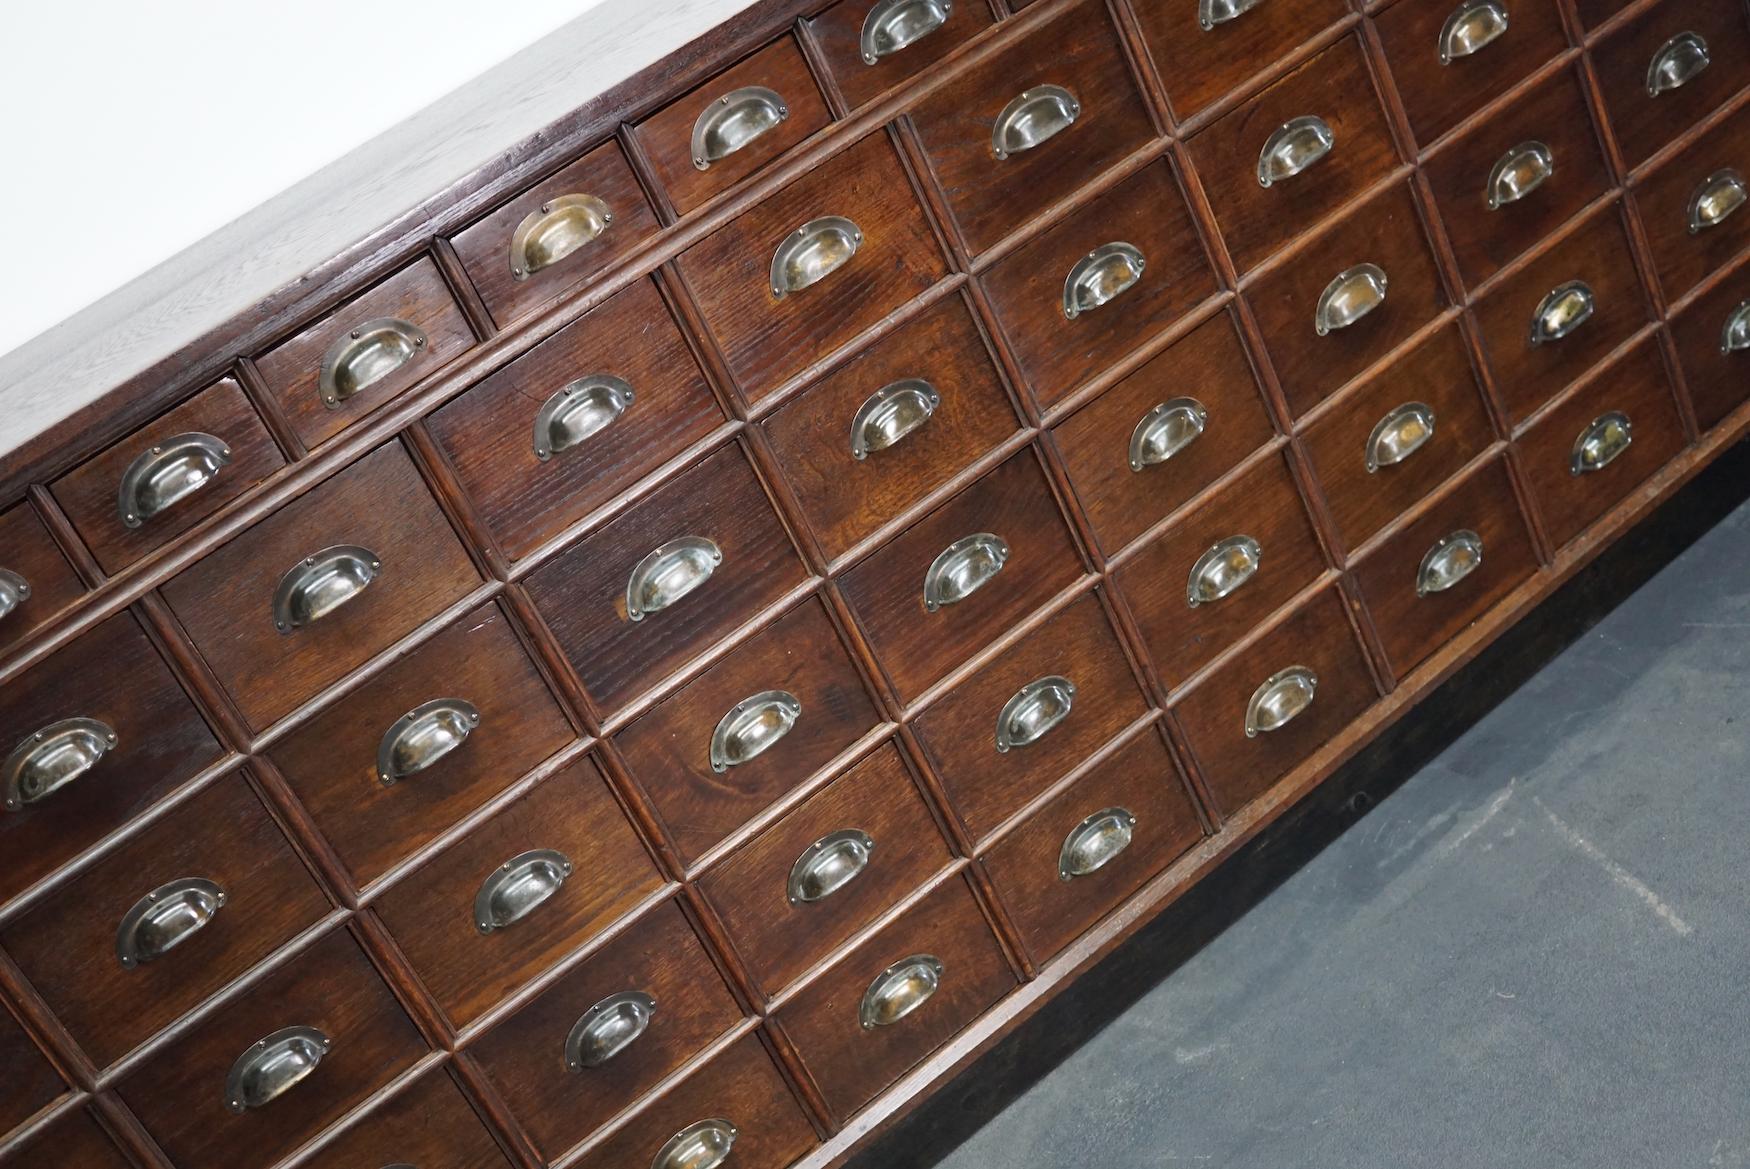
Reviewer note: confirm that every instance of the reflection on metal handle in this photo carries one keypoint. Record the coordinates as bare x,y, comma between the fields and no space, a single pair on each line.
365,356
48,760
1035,709
1095,842
891,413
1213,12
702,1145
554,230
1352,295
733,121
1101,276
1227,565
899,990
578,411
1679,61
828,865
165,918
670,573
1294,146
1453,557
1519,172
1400,434
14,591
1562,311
608,1028
1032,118
274,1066
1165,430
1598,445
813,252
964,567
1735,336
517,887
1715,200
1281,698
167,474
893,24
751,726
1473,26
318,585
424,735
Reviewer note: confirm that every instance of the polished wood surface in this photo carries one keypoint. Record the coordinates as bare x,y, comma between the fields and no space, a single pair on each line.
1683,252
429,1125
31,552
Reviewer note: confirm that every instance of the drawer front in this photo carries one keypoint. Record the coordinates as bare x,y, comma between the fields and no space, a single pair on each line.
812,266
347,570
1593,13
1333,87
704,143
1077,858
1426,43
519,892
862,1024
864,444
573,423
113,681
1091,289
41,582
740,1086
557,236
362,355
702,555
1628,57
1716,366
786,898
526,1055
1595,255
1413,623
987,783
961,546
31,1082
901,46
1499,193
1315,639
1584,431
430,1125
1692,206
331,761
184,1093
1080,90
1359,290
749,729
102,956
1144,447
1352,445
1262,506
74,1139
1199,64
168,476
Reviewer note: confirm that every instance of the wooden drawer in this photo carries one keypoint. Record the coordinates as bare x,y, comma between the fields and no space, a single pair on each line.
1077,298
1199,64
1593,13
366,352
1412,623
331,761
705,756
1353,294
1595,254
1082,854
1256,220
784,913
1121,490
705,142
1363,493
74,1140
617,393
173,473
854,1040
1584,430
430,1125
816,436
716,506
347,569
1625,58
1717,376
1074,68
519,892
838,36
557,236
987,783
1486,227
1216,714
31,1081
1011,508
184,1093
740,1087
114,683
660,957
1692,206
1262,505
242,892
847,243
41,582
1439,81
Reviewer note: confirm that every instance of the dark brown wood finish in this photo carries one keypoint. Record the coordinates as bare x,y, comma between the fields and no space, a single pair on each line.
837,34
1593,13
31,1082
1715,376
75,1139
1199,65
1685,249
1642,123
30,552
429,1125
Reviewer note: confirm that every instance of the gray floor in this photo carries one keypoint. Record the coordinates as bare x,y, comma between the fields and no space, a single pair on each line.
1535,953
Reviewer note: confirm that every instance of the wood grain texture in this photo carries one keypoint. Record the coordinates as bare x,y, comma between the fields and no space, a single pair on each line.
1199,65
31,1081
1663,197
75,1140
429,1125
1715,378
838,31
1642,124
27,548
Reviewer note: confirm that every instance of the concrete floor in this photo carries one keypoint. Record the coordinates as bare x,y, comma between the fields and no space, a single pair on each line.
1535,953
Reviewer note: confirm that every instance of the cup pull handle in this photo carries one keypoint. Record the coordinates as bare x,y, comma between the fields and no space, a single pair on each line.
518,887
1400,434
1227,565
704,1144
366,355
733,121
899,990
1213,12
318,585
1452,558
891,413
273,1066
1519,172
424,735
165,918
14,591
894,24
1165,430
1032,118
670,573
578,411
1600,443
608,1028
962,568
1679,61
1473,26
828,865
1280,699
555,230
1562,311
1716,199
1352,295
1100,277
1034,711
1095,843
1292,147
48,760
813,252
167,474
752,726
1735,335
